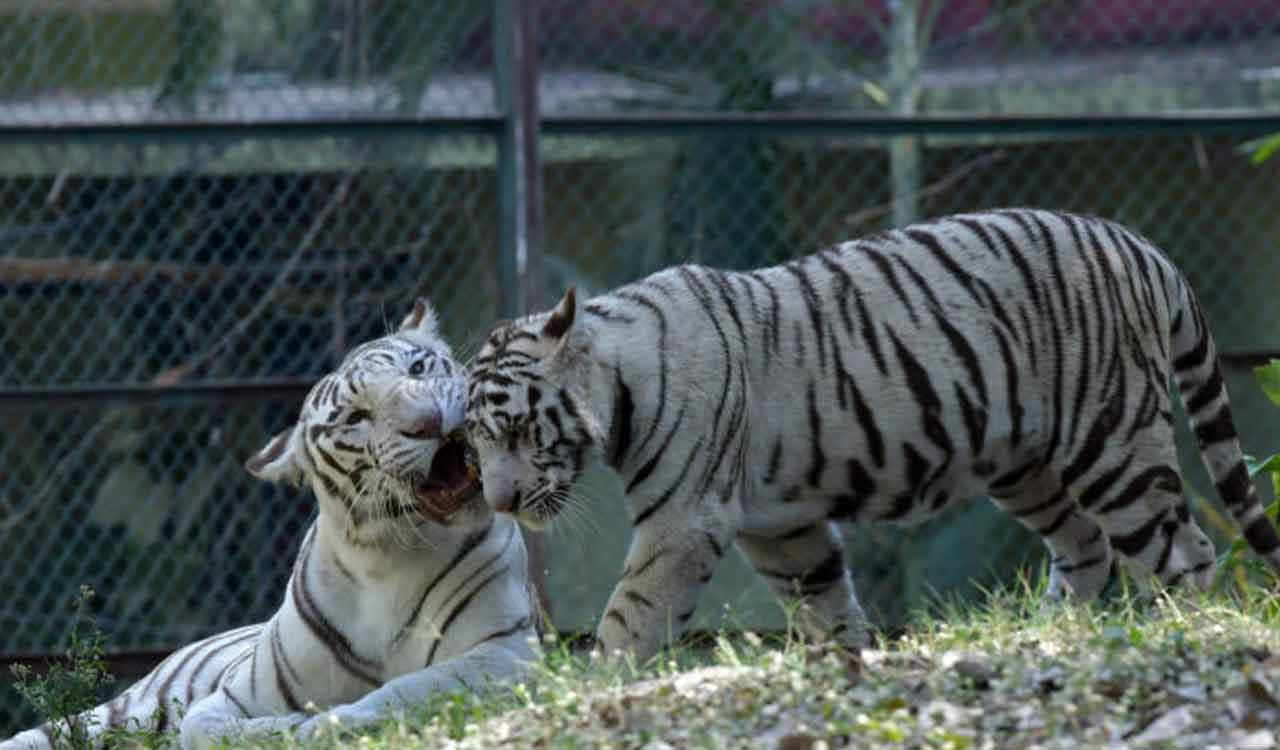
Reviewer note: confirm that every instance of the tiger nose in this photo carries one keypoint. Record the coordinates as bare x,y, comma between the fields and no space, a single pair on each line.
422,423
508,503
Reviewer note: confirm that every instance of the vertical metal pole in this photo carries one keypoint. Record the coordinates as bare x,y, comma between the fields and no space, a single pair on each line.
520,192
520,172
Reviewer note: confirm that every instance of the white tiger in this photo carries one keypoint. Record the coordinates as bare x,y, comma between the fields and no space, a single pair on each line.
1019,354
406,585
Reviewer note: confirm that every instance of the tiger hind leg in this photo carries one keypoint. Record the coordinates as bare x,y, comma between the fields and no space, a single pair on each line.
1139,502
807,566
1081,556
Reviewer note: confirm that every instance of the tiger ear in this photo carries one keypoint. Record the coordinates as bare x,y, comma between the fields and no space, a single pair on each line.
561,320
421,319
277,462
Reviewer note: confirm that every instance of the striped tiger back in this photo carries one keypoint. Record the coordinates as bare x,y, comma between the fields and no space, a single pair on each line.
1019,354
405,585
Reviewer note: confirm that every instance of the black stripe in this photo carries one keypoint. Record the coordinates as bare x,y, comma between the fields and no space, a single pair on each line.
620,425
1088,562
1261,536
773,327
1133,543
644,471
1055,263
661,318
795,533
1206,393
931,299
841,294
819,578
1041,507
862,487
1024,268
324,631
284,671
1104,425
716,547
215,646
1083,371
867,422
818,462
1059,382
1159,477
1011,387
1217,429
162,691
737,419
613,316
775,459
812,305
638,598
468,545
976,227
661,552
968,357
704,299
238,703
1011,478
1195,357
1100,487
671,490
1057,523
524,623
914,473
730,304
886,270
1234,487
614,614
930,405
461,607
869,333
944,259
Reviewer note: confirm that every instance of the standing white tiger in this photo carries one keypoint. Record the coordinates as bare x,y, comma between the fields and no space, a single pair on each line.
1019,354
406,584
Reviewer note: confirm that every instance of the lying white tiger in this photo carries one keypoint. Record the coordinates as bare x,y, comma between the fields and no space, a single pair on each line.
1019,354
406,585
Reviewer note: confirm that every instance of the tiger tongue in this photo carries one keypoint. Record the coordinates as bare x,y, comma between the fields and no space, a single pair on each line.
443,501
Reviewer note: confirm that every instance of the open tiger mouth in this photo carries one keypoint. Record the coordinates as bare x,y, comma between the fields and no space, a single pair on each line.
452,481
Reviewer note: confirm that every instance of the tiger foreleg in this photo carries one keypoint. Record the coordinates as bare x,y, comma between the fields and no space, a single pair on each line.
220,719
665,572
806,570
500,661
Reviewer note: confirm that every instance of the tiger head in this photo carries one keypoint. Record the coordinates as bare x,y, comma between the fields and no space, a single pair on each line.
528,414
380,440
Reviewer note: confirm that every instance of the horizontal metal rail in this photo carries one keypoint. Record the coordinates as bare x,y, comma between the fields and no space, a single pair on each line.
24,400
824,123
90,397
660,123
187,130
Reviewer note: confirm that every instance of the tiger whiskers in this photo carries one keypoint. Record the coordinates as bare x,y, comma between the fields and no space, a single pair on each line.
574,517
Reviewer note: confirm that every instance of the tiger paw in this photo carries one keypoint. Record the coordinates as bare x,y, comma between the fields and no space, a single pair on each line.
337,721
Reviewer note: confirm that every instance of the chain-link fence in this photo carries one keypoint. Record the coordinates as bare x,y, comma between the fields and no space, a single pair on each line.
203,204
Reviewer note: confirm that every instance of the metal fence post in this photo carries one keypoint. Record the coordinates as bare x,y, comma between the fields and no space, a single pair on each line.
520,190
519,171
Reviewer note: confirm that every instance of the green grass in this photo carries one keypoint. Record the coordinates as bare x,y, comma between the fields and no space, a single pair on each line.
1166,670
1174,671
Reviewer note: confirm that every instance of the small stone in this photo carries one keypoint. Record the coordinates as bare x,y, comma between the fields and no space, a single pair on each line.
1261,739
1167,727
